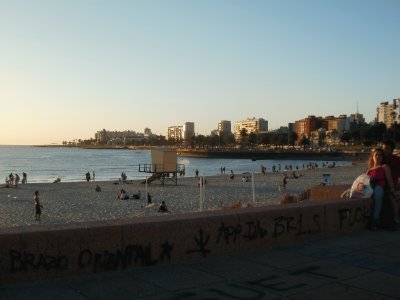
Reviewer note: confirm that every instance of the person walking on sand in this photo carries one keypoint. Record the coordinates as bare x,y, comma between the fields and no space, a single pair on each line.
38,207
282,186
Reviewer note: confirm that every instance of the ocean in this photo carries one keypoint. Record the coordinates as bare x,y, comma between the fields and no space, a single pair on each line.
45,164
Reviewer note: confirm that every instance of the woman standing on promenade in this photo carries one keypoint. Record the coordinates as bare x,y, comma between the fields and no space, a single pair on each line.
381,181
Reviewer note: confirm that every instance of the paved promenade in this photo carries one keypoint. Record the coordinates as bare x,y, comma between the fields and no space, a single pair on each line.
364,265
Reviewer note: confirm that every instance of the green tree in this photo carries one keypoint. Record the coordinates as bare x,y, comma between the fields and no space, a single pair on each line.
243,135
304,141
252,139
345,137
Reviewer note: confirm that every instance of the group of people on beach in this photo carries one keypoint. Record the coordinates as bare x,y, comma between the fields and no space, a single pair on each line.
383,170
13,179
123,195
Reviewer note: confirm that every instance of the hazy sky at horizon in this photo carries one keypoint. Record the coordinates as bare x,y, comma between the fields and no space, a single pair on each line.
71,68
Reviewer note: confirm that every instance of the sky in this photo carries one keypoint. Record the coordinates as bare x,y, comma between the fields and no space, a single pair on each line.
70,68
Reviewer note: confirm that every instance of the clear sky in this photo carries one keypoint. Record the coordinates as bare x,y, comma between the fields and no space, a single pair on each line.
69,68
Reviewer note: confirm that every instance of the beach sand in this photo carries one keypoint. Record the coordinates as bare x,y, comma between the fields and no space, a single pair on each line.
78,202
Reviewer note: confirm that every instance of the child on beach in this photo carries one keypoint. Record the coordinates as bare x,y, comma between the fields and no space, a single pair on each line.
38,207
163,207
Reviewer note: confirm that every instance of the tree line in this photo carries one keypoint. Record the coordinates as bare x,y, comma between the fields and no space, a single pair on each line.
360,134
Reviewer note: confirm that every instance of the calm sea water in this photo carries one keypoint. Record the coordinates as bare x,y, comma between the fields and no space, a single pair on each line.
71,164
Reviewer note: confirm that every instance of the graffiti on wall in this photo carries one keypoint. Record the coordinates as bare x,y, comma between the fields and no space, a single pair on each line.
201,244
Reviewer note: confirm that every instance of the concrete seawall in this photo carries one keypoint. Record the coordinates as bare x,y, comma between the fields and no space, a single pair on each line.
30,253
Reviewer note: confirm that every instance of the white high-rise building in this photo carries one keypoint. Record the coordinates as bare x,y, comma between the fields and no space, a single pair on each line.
174,133
182,132
256,125
388,113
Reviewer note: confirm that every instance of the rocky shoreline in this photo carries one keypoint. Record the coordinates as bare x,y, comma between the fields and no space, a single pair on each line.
279,154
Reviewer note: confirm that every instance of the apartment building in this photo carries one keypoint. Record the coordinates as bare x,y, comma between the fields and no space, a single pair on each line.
252,125
329,123
224,127
188,131
175,133
181,132
117,137
388,113
340,123
305,126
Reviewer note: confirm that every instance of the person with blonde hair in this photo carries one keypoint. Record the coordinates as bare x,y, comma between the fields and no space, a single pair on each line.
381,181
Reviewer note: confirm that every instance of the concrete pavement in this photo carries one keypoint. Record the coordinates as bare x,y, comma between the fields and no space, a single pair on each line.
364,265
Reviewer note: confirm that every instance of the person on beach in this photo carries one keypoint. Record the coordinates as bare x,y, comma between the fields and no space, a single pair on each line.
98,188
38,207
163,207
94,176
282,186
136,196
197,173
24,178
232,176
87,176
263,169
148,199
393,161
16,179
381,182
122,195
123,177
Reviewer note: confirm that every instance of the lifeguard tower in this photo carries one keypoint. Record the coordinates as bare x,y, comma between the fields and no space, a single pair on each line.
163,166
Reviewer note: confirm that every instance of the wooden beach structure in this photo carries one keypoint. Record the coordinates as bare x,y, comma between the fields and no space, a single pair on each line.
164,166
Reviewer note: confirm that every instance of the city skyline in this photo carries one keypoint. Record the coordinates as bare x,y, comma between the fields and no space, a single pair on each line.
71,68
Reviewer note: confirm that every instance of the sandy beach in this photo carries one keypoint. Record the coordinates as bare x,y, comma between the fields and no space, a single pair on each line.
78,201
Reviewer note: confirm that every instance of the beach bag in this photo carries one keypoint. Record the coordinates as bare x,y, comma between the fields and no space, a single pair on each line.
361,187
